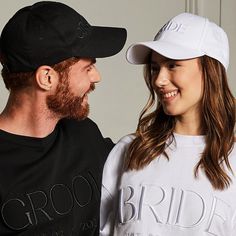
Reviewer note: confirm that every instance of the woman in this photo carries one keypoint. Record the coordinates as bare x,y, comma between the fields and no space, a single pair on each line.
176,175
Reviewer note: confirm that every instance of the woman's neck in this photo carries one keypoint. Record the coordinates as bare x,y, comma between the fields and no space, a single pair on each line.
188,125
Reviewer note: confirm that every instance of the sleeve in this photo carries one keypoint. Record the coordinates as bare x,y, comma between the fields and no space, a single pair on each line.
110,185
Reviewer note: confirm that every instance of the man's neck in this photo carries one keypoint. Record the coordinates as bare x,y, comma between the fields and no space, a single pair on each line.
27,118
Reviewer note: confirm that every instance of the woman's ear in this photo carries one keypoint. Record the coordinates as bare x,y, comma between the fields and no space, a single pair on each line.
46,77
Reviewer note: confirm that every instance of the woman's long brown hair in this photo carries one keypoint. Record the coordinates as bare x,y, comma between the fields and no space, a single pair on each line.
218,121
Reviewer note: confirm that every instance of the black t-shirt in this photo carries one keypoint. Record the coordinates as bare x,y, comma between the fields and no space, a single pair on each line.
51,186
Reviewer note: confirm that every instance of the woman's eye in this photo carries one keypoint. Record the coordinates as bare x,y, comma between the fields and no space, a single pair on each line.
172,65
154,70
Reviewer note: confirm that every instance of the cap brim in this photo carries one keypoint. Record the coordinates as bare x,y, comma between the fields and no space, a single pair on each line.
104,42
139,53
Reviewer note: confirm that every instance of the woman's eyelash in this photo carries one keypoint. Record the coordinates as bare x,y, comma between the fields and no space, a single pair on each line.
154,69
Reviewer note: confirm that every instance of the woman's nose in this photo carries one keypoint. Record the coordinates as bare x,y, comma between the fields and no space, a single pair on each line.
162,78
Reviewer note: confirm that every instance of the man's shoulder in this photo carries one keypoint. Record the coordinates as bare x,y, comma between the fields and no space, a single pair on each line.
86,130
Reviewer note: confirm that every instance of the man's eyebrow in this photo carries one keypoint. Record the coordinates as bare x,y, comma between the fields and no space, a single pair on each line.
93,61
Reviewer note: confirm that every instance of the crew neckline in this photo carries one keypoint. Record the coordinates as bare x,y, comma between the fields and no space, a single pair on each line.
186,140
27,140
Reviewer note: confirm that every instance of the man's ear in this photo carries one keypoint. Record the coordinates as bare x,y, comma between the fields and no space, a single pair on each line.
46,77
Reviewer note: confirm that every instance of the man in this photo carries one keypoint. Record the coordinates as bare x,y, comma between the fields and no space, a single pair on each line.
51,166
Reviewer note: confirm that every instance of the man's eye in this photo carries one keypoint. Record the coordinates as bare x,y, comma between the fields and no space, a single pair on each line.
89,68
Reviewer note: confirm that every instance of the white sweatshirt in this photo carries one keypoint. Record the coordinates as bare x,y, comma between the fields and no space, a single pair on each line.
164,198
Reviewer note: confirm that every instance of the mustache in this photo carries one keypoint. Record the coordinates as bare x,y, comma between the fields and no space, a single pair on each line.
92,88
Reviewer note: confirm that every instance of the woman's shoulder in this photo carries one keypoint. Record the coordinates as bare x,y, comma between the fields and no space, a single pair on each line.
121,147
115,163
117,155
126,140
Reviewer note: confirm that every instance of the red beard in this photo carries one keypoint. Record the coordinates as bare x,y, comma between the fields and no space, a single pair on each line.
65,104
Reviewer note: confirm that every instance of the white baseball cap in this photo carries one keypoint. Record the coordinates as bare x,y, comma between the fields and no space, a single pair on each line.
185,36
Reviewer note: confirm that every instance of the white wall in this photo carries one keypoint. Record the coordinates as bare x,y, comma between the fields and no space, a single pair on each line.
120,96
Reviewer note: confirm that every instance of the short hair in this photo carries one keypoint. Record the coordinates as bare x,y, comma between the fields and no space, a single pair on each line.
21,80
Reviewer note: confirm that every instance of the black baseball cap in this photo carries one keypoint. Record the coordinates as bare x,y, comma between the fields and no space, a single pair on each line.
49,32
